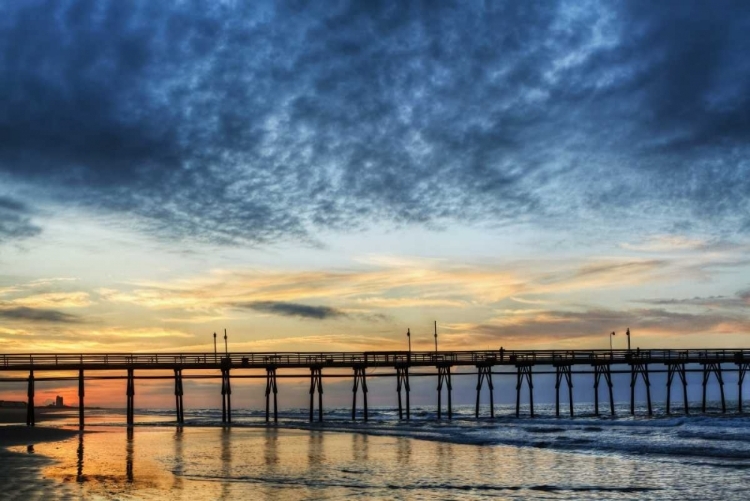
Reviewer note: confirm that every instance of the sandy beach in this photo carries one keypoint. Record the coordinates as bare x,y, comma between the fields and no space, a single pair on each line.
20,472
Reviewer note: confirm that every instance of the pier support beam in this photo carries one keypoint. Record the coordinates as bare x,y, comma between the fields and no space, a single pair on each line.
272,387
742,368
708,369
524,373
316,384
30,415
605,370
402,381
484,372
130,392
226,396
679,369
359,377
636,369
563,372
80,399
178,391
444,376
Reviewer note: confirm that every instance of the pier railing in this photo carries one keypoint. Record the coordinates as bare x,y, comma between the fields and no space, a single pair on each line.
524,361
367,358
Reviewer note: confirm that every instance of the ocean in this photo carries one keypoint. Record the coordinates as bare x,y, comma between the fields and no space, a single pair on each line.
585,457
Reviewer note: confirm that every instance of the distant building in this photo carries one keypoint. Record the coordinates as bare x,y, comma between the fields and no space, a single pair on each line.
59,401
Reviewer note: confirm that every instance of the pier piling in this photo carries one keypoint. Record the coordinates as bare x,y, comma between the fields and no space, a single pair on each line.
178,392
741,369
563,372
226,396
444,376
130,393
316,384
30,415
402,381
80,400
708,369
679,369
524,372
484,372
639,369
359,378
603,369
272,387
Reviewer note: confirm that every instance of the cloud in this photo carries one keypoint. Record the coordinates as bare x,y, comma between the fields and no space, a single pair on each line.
37,315
252,122
561,326
293,309
740,300
55,300
15,220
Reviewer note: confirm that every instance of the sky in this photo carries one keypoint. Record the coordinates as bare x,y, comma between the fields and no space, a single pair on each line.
327,176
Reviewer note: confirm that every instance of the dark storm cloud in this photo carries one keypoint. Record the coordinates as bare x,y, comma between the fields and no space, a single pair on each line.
292,309
15,220
251,122
37,315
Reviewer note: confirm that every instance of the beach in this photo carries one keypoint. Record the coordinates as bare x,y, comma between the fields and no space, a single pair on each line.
465,459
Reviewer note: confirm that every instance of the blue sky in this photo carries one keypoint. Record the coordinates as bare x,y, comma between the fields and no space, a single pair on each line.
528,174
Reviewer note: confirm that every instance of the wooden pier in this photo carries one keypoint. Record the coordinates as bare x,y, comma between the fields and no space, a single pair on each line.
564,364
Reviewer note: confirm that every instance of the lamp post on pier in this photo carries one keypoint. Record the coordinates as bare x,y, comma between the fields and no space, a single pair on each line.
408,335
627,333
436,346
226,346
214,347
612,334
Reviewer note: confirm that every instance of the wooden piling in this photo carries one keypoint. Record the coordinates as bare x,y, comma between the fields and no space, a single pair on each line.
603,369
80,400
444,376
708,369
639,368
226,396
359,378
742,368
178,392
130,392
679,369
30,414
316,384
524,373
272,387
484,372
563,372
402,381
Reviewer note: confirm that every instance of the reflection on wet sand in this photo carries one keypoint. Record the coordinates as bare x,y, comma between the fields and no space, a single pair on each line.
79,463
226,462
129,444
179,461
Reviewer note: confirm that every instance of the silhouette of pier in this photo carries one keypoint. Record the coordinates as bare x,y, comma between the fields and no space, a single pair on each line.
564,364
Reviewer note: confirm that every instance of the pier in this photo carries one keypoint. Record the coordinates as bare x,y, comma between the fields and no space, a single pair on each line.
564,364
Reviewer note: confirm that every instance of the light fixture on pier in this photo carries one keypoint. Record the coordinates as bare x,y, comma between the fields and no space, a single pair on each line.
436,347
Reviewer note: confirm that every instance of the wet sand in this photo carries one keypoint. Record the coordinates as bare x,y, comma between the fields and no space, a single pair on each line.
20,472
18,415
